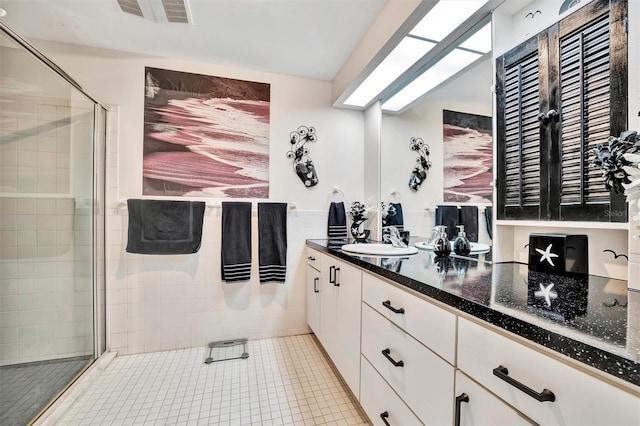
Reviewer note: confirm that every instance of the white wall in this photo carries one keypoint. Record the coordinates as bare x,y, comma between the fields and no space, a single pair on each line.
168,302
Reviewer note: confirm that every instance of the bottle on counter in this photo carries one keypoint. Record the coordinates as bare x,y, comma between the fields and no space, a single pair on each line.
441,245
461,245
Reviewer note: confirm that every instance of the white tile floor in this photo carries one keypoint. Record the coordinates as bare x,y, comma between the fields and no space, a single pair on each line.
285,381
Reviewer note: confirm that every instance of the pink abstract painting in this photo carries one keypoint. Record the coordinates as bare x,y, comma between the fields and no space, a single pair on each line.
205,136
468,158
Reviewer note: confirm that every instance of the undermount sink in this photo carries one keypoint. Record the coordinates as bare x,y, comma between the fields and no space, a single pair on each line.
377,249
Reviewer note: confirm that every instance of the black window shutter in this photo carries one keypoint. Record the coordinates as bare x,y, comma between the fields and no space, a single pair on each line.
582,74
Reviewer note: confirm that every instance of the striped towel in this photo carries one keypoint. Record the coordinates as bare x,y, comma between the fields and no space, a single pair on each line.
272,241
236,241
337,224
397,219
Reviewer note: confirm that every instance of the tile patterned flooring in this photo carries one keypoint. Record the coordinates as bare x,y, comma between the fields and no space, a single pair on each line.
25,389
285,381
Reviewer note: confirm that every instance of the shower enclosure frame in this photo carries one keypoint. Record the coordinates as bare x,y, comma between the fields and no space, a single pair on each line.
97,212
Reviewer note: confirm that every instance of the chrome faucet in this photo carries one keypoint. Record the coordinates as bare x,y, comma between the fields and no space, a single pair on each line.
392,235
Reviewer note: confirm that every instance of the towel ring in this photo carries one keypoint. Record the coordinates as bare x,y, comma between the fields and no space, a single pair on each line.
335,195
395,196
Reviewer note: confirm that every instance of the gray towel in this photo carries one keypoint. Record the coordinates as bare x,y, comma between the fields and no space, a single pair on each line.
164,227
272,241
236,241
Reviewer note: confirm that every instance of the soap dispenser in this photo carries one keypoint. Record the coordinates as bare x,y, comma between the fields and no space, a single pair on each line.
441,245
461,245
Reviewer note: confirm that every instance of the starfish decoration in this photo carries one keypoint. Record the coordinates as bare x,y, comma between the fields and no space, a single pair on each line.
547,292
547,255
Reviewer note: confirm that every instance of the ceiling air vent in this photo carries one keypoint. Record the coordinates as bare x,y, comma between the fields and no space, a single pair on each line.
176,11
130,6
162,11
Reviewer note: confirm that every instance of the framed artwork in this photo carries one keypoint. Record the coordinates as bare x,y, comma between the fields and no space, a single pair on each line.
468,158
205,136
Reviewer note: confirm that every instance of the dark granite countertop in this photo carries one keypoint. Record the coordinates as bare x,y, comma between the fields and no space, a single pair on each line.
591,319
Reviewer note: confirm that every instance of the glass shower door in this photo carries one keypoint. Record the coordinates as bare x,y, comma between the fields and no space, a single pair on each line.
51,225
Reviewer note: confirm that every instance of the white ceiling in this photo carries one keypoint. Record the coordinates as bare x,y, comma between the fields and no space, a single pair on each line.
307,38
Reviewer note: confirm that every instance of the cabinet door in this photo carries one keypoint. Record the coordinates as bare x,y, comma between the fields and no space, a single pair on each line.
313,299
558,95
340,304
328,307
476,406
348,306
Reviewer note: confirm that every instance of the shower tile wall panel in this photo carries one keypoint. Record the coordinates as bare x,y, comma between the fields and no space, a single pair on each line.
179,301
45,298
36,136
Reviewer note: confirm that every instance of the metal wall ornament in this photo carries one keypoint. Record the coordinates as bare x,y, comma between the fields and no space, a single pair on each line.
302,163
422,166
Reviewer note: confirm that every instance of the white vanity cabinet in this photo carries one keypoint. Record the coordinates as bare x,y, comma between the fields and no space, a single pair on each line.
334,294
410,343
542,388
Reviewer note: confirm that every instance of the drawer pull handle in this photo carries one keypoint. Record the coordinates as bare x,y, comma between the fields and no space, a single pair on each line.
384,416
463,397
387,304
311,258
503,373
335,276
332,274
315,285
387,355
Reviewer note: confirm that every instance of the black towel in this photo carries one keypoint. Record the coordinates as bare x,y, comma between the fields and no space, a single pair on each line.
337,223
272,242
469,218
164,227
488,216
236,241
397,219
448,216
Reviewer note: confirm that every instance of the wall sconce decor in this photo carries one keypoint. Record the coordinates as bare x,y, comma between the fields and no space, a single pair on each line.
302,163
421,169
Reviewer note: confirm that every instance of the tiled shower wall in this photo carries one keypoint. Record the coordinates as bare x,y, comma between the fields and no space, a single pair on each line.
45,231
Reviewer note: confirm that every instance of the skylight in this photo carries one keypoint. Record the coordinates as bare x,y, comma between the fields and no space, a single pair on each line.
445,68
445,17
435,26
405,54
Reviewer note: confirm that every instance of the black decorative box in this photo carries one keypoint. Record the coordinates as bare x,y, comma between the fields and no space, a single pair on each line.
562,298
559,254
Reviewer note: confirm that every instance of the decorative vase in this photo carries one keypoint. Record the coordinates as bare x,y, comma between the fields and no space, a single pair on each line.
358,231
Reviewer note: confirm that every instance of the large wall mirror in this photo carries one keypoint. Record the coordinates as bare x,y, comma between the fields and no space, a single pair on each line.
460,151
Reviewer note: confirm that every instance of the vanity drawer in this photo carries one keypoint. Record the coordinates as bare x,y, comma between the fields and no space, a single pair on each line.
314,259
416,373
432,326
580,398
478,406
380,402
